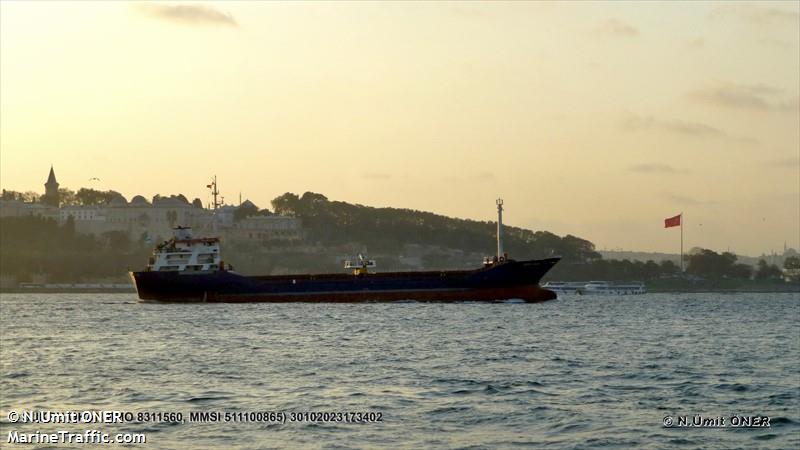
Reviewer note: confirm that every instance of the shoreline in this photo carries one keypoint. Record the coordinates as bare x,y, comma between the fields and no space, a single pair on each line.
131,290
788,290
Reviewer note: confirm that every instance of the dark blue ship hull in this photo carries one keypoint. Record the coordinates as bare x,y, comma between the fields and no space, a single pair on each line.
502,281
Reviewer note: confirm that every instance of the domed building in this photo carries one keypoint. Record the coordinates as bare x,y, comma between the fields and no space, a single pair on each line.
139,201
118,201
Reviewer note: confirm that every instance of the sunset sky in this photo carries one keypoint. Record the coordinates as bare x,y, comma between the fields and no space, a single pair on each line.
595,119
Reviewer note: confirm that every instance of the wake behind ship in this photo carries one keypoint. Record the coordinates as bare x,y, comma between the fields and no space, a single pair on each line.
188,269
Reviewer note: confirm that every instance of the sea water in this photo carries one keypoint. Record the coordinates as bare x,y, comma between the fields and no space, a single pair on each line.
579,372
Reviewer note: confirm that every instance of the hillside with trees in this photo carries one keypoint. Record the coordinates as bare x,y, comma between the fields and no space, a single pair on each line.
33,245
332,223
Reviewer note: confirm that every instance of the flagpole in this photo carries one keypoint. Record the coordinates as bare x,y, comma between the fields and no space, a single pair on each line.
681,242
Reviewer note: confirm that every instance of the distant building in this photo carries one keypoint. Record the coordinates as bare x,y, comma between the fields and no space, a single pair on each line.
12,208
80,213
46,207
263,228
152,221
50,196
225,215
41,210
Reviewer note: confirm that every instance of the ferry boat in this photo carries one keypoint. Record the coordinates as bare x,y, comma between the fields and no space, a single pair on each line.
607,288
596,288
566,287
189,269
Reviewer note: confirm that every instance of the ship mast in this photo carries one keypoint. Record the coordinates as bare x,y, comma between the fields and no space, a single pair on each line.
500,253
215,204
214,192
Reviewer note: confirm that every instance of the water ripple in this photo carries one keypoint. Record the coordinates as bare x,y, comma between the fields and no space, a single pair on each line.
588,373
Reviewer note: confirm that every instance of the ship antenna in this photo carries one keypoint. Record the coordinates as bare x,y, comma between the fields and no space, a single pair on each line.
500,253
215,192
215,204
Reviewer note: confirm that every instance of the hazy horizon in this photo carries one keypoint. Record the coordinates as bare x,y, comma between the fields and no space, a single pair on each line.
593,119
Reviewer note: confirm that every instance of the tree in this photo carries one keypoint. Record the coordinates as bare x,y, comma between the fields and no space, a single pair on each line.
179,197
313,197
117,241
765,271
31,197
67,197
12,195
246,209
69,226
90,197
668,268
651,270
710,264
334,223
580,250
197,203
28,196
741,271
547,243
286,205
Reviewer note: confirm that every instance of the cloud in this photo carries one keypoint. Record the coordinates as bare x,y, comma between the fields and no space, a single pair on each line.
681,127
785,163
617,28
691,128
696,129
188,14
656,168
684,200
376,176
697,43
758,97
755,15
776,43
475,177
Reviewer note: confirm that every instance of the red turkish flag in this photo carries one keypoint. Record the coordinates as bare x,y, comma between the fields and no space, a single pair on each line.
673,221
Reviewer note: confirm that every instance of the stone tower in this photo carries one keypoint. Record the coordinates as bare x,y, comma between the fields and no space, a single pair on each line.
51,190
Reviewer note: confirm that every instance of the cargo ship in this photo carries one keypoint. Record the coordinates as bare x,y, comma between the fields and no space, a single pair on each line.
189,269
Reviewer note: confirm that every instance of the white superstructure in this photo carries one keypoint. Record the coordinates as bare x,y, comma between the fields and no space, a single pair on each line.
184,253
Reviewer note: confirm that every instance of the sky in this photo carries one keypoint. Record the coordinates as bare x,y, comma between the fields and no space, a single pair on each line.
597,119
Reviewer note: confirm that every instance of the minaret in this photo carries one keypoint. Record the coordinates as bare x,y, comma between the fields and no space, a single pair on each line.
51,190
